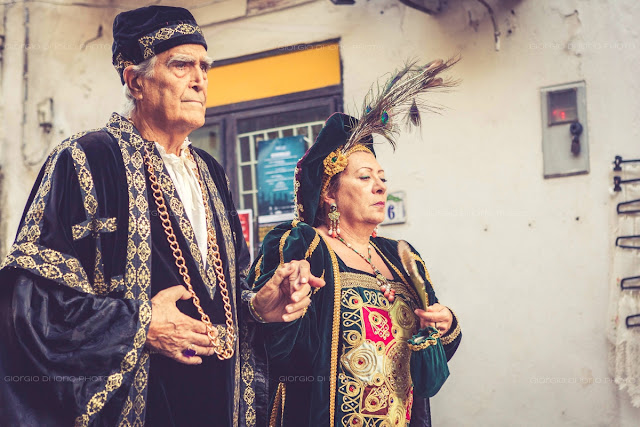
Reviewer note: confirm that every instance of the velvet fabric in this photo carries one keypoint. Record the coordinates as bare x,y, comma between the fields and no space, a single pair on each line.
300,352
133,33
429,368
73,352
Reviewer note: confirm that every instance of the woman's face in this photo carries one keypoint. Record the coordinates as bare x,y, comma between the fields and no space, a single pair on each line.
362,192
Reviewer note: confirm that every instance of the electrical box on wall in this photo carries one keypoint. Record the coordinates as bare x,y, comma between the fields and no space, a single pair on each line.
565,143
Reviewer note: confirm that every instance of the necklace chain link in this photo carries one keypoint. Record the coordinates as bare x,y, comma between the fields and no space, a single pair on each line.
223,350
383,283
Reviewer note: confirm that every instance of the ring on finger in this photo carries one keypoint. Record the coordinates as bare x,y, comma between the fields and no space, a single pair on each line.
189,352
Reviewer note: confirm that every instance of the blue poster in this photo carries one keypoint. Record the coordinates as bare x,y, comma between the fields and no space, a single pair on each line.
277,159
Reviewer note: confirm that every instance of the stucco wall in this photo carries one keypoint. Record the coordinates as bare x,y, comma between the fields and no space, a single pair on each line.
523,260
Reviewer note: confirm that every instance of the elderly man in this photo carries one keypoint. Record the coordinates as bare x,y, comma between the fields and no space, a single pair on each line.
124,300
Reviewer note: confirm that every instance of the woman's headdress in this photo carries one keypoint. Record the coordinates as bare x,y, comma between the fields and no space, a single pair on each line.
383,110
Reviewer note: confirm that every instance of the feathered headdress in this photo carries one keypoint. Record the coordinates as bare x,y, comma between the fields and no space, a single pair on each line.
383,110
398,101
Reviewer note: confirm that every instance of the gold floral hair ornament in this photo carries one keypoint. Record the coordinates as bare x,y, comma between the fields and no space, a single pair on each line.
336,162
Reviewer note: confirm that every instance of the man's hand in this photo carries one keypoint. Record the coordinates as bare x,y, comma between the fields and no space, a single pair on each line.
285,296
171,332
438,316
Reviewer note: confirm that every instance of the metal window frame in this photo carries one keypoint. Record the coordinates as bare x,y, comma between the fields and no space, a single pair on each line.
229,115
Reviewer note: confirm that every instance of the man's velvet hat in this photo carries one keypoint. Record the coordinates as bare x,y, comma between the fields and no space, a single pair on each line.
142,33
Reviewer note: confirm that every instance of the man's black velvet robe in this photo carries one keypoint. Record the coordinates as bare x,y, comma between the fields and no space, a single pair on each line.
75,296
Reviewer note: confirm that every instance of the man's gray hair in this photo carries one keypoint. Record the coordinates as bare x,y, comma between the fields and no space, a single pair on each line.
144,70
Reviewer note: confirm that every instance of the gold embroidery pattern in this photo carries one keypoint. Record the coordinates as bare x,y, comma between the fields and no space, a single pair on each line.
114,381
136,362
85,179
374,379
116,284
312,246
427,343
27,253
258,273
335,333
98,272
148,42
50,264
451,336
94,226
359,280
247,378
283,240
90,201
120,63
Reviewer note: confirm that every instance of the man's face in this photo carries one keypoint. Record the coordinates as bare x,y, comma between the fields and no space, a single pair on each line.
174,97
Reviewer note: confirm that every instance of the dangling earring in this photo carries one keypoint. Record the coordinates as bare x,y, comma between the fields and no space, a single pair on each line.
334,220
375,232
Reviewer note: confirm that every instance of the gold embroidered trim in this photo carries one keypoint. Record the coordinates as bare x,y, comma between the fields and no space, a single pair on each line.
85,179
312,246
258,273
117,283
50,264
130,361
426,272
283,240
360,363
148,42
278,402
137,280
361,280
96,225
433,340
452,335
120,63
248,376
335,334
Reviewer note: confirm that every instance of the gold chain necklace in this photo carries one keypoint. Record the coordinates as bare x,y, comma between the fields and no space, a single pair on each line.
385,287
223,350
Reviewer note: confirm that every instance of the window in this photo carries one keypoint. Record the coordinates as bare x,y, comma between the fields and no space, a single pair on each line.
294,103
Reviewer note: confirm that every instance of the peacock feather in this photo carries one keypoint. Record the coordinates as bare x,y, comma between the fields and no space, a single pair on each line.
398,100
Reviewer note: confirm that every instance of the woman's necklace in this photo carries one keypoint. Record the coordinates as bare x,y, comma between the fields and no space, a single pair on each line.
389,293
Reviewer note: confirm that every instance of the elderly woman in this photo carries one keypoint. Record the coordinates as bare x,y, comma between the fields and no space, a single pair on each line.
350,361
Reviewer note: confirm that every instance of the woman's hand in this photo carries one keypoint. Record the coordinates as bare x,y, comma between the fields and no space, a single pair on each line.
437,315
171,332
286,296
